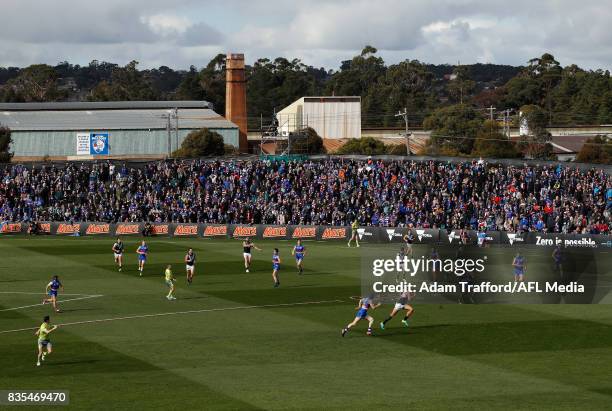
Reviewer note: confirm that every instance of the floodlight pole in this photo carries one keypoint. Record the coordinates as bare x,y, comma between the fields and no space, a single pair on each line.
407,135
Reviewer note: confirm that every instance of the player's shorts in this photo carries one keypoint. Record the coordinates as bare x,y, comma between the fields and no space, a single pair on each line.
169,283
117,255
299,258
52,293
354,232
189,267
518,272
276,267
246,255
362,313
44,343
142,257
398,306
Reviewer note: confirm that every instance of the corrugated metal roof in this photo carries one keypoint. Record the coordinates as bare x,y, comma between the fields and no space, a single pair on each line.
105,105
84,120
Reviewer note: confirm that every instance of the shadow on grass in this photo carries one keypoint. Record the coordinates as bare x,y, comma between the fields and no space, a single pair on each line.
504,337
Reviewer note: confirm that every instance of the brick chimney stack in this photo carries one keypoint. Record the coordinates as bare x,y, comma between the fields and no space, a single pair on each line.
235,96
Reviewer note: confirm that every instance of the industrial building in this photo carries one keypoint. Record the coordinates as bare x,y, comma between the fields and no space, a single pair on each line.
125,129
331,117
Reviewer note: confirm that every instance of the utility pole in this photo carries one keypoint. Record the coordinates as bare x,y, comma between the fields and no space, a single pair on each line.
491,110
169,135
507,123
404,115
176,125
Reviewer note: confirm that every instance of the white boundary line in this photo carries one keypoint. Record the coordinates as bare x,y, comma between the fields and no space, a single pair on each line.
41,293
205,310
59,301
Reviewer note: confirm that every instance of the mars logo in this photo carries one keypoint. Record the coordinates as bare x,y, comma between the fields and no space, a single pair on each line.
44,227
333,233
304,232
68,228
513,237
245,231
452,236
98,229
126,229
184,229
10,228
160,229
215,230
275,232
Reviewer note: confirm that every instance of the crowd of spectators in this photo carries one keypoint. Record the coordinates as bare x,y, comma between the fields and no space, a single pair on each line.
426,194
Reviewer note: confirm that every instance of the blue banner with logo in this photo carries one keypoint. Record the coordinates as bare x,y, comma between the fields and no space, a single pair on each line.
98,144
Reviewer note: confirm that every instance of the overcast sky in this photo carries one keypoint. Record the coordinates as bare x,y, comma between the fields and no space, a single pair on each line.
179,33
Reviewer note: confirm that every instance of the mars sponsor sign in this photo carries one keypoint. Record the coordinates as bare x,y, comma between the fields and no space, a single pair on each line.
68,229
160,229
274,232
244,231
10,228
97,228
304,232
215,231
44,228
127,229
333,233
186,230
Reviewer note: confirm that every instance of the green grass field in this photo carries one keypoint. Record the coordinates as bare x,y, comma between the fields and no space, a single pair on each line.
231,341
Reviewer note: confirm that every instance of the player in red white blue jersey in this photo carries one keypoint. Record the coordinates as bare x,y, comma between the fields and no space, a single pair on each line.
363,306
299,251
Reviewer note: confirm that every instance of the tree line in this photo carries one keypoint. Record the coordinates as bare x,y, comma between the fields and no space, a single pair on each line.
451,100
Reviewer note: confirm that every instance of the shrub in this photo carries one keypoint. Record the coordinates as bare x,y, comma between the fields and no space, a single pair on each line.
201,143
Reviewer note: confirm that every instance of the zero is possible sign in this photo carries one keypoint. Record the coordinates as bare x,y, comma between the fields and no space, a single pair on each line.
91,144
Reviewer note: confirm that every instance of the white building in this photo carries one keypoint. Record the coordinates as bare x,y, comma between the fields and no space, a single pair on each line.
331,117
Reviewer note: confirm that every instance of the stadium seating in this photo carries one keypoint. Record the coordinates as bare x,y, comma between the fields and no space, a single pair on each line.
426,194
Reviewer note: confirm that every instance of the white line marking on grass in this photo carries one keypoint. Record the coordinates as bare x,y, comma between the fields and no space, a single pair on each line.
58,301
205,310
42,293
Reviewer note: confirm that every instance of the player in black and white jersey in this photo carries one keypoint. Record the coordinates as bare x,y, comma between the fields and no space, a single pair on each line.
118,253
400,304
247,246
408,240
190,265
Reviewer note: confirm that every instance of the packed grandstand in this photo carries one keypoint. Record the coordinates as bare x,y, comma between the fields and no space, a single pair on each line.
423,194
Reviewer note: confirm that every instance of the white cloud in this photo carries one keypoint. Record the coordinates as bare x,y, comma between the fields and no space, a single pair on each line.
166,24
321,32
